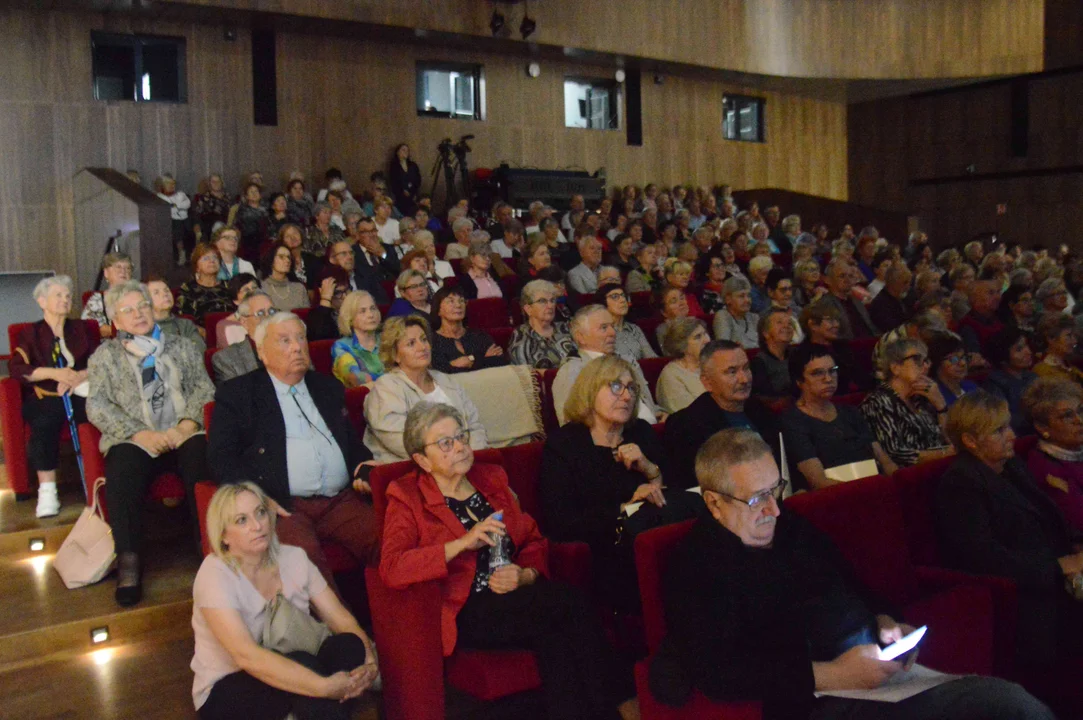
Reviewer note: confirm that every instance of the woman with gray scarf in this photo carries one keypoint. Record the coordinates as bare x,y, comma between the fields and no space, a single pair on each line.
147,392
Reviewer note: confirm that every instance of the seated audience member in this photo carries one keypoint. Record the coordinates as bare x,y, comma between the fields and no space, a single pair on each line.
477,280
725,373
993,519
322,234
161,298
565,306
375,260
285,428
455,347
583,278
418,260
822,437
540,342
735,322
204,293
762,607
355,356
305,267
241,358
960,279
278,279
424,242
779,288
906,412
322,320
678,273
679,384
225,240
1017,308
608,274
117,270
594,335
889,310
147,392
711,293
459,249
406,351
632,343
645,276
414,291
770,369
1052,297
672,304
1057,333
441,525
603,459
1055,407
50,360
229,329
510,245
536,258
948,361
981,324
854,317
1012,360
623,255
234,674
881,263
821,322
806,283
251,219
757,276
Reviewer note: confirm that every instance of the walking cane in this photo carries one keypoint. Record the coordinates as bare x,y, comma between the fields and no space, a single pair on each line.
66,397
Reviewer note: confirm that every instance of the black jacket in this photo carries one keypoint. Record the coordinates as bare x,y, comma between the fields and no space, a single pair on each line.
746,624
368,276
248,441
687,429
887,311
470,288
322,324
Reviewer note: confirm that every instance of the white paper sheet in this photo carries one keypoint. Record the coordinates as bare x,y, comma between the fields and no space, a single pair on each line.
901,686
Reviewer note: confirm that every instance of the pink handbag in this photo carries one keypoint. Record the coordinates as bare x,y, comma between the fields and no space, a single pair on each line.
87,554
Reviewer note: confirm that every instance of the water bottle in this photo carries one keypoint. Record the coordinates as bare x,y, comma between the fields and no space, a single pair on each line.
498,554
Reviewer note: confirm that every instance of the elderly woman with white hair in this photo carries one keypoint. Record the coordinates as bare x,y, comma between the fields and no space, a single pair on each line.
539,342
680,384
736,322
236,673
147,392
426,243
462,228
355,357
49,360
477,279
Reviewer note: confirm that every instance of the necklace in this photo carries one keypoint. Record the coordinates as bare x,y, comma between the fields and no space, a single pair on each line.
270,283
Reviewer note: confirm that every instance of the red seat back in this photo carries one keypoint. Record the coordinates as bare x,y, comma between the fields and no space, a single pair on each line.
916,486
208,361
488,313
851,399
523,463
320,353
210,321
649,326
861,354
355,407
501,336
548,410
510,285
652,550
389,287
302,313
652,369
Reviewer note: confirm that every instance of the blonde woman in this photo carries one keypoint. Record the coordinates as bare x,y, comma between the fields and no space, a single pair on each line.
355,357
234,675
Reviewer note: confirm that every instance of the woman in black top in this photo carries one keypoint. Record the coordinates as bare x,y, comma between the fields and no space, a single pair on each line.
456,348
404,177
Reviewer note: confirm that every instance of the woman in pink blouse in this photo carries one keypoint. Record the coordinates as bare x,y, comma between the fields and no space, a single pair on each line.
478,281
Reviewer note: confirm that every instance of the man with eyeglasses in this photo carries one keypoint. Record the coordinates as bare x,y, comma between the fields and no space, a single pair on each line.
761,607
240,358
285,427
727,375
374,261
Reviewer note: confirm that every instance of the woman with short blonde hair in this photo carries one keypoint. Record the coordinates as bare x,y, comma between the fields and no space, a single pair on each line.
413,291
355,357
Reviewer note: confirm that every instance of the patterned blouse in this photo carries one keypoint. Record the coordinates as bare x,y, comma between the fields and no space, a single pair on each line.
632,344
316,242
197,300
469,512
95,309
210,209
350,359
902,432
527,347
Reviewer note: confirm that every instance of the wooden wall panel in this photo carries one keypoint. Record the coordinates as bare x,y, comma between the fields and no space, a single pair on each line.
347,102
798,38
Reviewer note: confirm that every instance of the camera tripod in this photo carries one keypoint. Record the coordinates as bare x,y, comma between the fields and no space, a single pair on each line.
451,160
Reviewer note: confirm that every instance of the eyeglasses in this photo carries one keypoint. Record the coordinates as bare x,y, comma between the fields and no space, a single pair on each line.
129,309
823,373
447,444
617,388
415,286
956,359
758,502
917,358
615,296
544,301
262,313
1075,414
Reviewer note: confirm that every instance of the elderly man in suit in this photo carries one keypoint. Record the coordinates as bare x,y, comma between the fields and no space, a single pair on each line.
286,429
240,358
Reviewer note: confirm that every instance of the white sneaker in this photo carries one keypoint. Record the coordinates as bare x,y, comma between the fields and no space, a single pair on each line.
48,502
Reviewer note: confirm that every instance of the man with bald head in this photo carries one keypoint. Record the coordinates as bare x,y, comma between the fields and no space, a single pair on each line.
286,428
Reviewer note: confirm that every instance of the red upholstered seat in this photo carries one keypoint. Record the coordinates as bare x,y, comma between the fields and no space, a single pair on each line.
510,285
649,326
652,369
488,313
302,313
861,354
320,353
355,406
851,399
501,336
652,549
548,411
389,287
210,322
167,488
640,302
208,361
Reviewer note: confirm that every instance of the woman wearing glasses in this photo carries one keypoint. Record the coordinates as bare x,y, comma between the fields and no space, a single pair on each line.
947,357
539,342
455,347
632,344
161,298
204,292
822,438
906,413
414,291
442,523
406,352
147,392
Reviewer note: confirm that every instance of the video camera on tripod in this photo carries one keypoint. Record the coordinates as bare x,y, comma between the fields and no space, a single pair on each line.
451,166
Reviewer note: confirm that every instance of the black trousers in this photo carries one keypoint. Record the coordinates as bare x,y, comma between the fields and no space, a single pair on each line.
240,695
582,678
47,419
129,471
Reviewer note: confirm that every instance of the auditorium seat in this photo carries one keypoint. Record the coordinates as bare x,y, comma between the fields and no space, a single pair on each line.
355,407
319,351
545,387
487,313
652,369
652,550
501,336
852,399
302,313
14,431
166,488
640,303
210,322
649,326
208,361
861,354
389,287
510,285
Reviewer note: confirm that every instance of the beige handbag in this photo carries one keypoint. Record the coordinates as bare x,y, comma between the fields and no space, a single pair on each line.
290,629
87,554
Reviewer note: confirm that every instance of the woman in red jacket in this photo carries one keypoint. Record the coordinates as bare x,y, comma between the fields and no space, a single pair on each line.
446,522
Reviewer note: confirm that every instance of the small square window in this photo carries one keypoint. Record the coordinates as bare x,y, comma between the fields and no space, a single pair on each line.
593,104
141,68
743,118
449,91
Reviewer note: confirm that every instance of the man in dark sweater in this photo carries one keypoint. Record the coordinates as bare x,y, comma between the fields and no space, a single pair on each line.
889,309
760,606
727,376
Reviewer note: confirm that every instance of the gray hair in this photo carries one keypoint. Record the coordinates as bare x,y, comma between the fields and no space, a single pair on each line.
462,224
352,214
791,223
242,308
47,283
455,213
422,236
724,450
114,294
407,224
535,206
422,417
1048,288
114,258
479,247
266,323
703,231
583,242
532,289
805,268
320,206
760,262
405,276
735,284
480,236
896,351
678,332
1021,276
579,320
